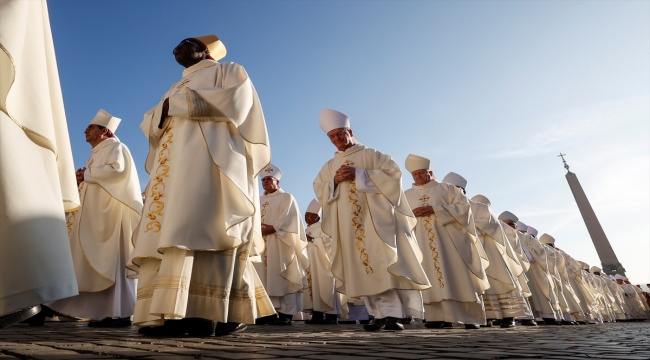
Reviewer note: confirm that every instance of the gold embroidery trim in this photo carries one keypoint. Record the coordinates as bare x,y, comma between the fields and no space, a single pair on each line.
145,292
69,222
157,192
172,283
432,242
311,294
359,232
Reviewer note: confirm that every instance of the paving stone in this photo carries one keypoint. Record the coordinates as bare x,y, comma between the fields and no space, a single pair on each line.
226,355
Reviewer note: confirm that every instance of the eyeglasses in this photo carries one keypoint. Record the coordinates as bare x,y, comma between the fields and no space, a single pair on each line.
340,133
188,41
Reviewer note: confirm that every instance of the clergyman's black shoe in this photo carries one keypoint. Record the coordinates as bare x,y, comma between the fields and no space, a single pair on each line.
230,328
317,317
528,323
488,323
375,325
169,328
18,316
393,323
330,319
433,324
550,321
283,319
197,326
110,322
266,320
447,325
473,326
508,323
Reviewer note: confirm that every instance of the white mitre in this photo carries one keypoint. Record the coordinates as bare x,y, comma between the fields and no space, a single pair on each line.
332,119
271,170
215,47
585,266
531,230
625,278
507,215
521,226
481,199
415,162
547,239
103,118
314,207
595,269
619,277
455,179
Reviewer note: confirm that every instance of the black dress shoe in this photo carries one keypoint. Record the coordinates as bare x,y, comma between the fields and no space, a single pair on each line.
488,323
564,322
528,323
330,319
197,326
317,317
393,323
496,322
283,319
406,321
447,325
110,322
362,322
169,328
375,325
473,326
266,320
550,321
230,328
508,323
18,316
433,324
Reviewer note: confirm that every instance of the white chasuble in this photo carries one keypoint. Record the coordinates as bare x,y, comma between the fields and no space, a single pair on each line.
199,223
504,298
570,294
321,295
621,309
370,224
284,261
600,290
454,258
100,234
588,302
37,182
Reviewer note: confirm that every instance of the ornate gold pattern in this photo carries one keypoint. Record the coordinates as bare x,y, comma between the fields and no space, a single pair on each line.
359,232
311,294
432,241
156,206
263,213
69,222
268,169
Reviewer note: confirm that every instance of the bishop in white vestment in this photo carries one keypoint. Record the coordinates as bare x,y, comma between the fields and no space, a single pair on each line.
284,261
326,304
37,184
100,231
454,259
504,299
367,216
200,227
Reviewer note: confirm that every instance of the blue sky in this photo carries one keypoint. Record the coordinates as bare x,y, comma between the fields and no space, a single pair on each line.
492,90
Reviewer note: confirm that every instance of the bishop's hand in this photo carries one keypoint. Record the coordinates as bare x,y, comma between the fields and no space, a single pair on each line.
310,239
344,173
267,229
80,175
423,211
165,113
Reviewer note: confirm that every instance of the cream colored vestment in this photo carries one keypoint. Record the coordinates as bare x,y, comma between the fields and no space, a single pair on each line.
504,298
454,258
100,235
199,225
37,182
568,292
637,310
603,295
621,309
588,302
321,295
284,262
371,225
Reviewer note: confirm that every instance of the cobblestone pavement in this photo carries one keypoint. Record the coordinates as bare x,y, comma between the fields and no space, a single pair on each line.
625,341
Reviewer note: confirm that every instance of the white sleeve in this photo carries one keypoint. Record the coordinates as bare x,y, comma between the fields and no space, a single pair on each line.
334,191
87,178
364,184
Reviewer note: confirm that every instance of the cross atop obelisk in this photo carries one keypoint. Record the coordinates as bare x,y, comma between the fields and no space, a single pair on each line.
603,247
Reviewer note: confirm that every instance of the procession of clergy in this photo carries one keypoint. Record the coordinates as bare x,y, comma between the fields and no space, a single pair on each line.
211,255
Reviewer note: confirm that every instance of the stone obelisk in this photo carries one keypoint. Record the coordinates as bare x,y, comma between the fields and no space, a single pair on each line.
608,258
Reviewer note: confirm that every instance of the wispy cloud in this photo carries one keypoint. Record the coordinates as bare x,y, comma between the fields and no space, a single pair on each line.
560,129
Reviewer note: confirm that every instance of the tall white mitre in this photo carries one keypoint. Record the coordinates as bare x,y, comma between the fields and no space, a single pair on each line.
103,118
595,269
331,119
507,215
531,230
547,239
619,277
271,170
415,162
455,179
481,199
314,207
215,47
521,226
585,266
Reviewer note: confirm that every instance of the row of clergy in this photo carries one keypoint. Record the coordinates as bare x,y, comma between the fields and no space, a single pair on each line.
435,254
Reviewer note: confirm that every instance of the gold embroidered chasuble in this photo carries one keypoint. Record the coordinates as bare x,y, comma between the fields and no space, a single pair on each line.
454,258
284,261
202,201
373,246
322,283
